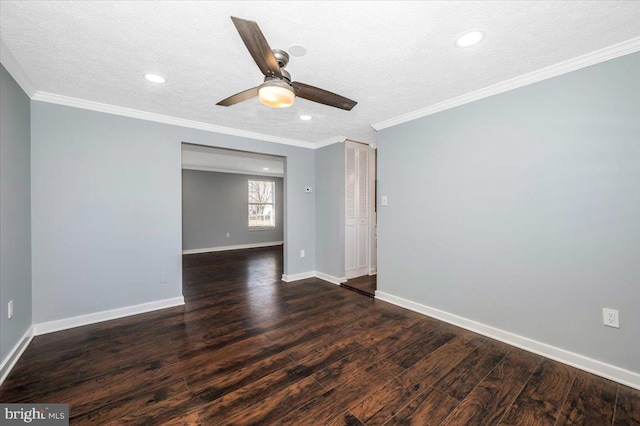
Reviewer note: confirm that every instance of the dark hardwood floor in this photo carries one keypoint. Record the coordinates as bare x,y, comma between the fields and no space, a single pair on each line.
249,349
364,285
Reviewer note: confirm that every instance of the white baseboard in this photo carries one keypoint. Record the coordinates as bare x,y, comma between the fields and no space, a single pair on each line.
14,355
295,277
330,278
313,274
236,247
64,324
620,375
373,271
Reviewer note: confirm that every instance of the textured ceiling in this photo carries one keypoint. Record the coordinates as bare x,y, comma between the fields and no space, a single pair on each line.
391,57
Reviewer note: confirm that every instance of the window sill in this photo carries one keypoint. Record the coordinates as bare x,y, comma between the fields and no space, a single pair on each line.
262,228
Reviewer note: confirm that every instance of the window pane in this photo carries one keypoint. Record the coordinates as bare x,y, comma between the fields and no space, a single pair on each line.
261,191
261,215
261,200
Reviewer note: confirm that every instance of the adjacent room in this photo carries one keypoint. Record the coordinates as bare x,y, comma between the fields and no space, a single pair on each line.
320,213
230,199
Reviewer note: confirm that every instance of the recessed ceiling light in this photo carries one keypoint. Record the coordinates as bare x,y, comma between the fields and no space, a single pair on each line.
305,117
266,169
469,39
154,78
297,50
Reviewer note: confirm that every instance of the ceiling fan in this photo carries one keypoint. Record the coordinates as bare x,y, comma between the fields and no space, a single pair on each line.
277,91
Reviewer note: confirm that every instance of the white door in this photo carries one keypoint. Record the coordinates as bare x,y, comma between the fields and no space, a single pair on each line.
356,210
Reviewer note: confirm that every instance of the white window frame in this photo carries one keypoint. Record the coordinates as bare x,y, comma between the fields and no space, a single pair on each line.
272,204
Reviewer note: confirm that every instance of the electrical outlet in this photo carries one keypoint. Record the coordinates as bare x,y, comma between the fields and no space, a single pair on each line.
308,190
228,234
610,317
301,253
163,277
10,309
384,200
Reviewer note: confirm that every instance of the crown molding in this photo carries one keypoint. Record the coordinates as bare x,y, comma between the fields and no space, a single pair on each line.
159,118
330,141
15,69
602,55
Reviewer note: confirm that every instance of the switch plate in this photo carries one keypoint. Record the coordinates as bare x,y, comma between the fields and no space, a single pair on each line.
10,309
301,253
611,317
228,234
383,200
163,277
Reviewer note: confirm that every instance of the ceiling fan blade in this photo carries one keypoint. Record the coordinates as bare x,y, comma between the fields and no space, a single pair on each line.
239,97
322,96
257,46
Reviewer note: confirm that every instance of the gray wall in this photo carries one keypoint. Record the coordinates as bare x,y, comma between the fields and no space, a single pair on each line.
522,211
330,210
15,213
106,208
216,203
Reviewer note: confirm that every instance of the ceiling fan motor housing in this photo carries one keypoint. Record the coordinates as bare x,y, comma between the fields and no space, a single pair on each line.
282,57
286,76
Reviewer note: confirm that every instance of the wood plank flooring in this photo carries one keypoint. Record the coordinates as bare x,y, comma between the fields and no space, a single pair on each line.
365,285
248,349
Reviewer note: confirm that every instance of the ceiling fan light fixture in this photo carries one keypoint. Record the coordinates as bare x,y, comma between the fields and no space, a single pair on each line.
276,94
278,90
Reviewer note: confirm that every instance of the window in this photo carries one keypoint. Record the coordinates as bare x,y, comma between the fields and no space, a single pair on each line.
262,213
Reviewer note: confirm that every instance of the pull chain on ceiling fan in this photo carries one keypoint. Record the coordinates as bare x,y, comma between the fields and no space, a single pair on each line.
277,91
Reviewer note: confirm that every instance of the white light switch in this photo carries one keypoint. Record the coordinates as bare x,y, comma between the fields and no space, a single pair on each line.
383,200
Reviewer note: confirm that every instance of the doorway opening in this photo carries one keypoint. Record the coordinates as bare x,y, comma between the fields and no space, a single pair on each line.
233,205
360,218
